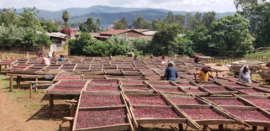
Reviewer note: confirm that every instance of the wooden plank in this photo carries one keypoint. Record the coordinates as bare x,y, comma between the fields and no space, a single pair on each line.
156,121
119,127
215,121
30,91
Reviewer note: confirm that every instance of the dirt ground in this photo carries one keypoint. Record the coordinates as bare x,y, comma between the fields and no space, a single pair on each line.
20,113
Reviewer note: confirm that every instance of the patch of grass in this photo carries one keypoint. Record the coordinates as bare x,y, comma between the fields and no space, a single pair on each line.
265,53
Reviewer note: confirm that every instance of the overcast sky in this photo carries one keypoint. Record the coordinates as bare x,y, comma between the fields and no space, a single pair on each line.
174,5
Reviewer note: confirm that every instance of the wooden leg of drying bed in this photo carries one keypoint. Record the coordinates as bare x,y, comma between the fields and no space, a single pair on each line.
180,127
50,105
220,127
73,110
36,84
18,82
266,129
205,127
254,128
71,125
11,83
31,90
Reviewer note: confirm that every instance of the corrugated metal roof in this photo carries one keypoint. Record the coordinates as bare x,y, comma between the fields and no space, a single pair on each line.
113,32
149,33
102,36
54,34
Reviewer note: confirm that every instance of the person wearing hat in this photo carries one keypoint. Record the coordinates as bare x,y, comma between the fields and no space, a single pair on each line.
27,55
61,57
171,72
204,74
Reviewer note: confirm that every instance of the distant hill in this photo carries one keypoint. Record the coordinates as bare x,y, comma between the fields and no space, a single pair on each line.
109,14
109,18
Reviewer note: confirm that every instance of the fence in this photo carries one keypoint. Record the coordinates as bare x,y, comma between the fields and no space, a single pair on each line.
9,55
229,60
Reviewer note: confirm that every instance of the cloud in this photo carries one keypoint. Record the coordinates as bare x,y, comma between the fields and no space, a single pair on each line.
174,5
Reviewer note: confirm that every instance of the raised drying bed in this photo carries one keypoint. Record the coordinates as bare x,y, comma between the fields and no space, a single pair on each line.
169,89
103,88
67,87
133,82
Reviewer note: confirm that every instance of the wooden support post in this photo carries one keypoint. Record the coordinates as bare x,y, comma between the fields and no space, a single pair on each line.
266,129
71,125
220,127
36,84
205,127
73,109
0,68
11,83
51,105
254,128
5,66
180,127
18,82
31,90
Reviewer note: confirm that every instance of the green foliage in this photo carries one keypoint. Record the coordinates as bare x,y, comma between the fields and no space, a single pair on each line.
90,25
99,22
208,19
259,17
49,26
65,17
124,22
142,45
166,39
201,38
141,23
118,25
87,46
21,30
231,33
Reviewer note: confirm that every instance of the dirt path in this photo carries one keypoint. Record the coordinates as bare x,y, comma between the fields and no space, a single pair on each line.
11,116
20,113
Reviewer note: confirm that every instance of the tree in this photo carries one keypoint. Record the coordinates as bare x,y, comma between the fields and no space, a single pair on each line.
99,22
180,19
165,41
65,17
118,25
208,19
156,24
28,18
91,26
141,23
124,22
240,4
192,22
8,17
170,18
259,17
49,26
198,16
201,38
231,33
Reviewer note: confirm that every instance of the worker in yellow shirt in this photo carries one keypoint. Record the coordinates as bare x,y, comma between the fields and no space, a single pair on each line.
204,74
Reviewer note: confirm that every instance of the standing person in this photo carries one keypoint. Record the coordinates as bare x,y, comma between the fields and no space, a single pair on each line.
45,61
163,57
204,74
197,59
170,73
53,54
27,55
245,74
50,54
175,55
111,56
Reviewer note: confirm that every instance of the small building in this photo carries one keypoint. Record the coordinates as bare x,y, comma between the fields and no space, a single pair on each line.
110,27
58,41
131,34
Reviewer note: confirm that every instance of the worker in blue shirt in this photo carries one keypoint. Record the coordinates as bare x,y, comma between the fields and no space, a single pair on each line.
170,73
